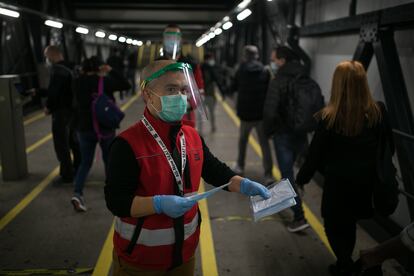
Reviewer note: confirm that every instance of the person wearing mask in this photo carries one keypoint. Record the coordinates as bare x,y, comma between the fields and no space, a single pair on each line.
152,166
344,149
59,104
288,144
86,86
250,83
211,79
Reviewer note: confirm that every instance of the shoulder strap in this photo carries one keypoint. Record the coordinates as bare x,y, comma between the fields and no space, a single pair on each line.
135,236
100,86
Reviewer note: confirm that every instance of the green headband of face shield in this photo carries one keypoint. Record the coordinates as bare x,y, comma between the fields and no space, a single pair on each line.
171,67
173,33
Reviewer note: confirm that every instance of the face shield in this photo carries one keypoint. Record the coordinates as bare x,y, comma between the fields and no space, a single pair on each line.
172,44
175,79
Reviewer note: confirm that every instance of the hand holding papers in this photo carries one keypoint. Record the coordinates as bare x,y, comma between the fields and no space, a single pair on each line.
282,197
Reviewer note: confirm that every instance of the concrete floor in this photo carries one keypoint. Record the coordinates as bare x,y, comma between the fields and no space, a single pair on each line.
48,234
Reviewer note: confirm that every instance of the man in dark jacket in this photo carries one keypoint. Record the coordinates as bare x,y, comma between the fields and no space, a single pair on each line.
250,82
288,144
59,105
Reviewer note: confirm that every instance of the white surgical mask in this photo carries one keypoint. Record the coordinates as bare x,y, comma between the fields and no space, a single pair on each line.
211,62
274,66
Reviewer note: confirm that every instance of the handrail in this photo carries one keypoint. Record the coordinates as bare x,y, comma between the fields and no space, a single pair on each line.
403,134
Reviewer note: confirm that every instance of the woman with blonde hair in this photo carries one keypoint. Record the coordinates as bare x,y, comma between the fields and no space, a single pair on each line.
344,149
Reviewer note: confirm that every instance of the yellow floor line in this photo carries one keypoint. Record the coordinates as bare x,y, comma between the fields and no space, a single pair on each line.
45,182
208,255
34,118
39,143
312,219
103,265
27,199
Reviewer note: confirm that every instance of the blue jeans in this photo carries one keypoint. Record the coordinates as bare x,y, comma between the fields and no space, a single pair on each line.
288,146
87,143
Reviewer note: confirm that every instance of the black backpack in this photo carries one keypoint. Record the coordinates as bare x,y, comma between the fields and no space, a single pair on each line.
304,98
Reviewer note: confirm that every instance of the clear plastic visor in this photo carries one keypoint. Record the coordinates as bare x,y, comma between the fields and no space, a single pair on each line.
174,79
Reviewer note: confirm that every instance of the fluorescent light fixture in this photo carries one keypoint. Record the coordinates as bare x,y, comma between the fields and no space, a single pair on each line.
227,25
121,39
243,4
244,14
140,43
202,40
218,25
211,35
112,37
212,29
226,18
135,42
53,24
100,34
218,31
129,41
269,0
10,13
82,30
148,43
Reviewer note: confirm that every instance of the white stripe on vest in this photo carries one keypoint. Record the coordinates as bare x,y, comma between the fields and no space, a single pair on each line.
156,237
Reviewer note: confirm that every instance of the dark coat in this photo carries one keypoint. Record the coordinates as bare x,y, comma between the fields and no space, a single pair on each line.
349,167
276,97
250,82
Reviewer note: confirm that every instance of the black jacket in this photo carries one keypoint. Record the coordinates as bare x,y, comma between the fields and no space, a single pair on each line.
273,112
87,85
59,94
349,167
211,77
250,82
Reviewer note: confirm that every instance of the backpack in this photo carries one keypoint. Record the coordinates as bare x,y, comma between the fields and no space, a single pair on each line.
105,113
385,191
304,99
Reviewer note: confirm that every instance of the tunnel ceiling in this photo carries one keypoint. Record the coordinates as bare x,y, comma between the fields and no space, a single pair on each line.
145,20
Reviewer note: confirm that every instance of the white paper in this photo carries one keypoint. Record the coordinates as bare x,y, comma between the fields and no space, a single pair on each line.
208,193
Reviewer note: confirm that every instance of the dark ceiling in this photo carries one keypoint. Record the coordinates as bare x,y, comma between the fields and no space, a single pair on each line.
145,20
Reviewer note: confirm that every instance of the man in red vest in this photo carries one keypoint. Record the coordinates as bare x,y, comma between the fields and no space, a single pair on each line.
152,167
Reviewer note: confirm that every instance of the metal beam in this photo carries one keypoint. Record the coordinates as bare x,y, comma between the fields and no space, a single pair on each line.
395,93
398,17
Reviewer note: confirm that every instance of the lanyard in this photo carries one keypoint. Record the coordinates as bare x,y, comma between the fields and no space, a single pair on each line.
167,154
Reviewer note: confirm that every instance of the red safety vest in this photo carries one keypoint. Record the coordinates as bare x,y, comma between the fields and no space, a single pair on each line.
154,247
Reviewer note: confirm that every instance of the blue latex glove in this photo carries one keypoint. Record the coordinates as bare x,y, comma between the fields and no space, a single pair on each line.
251,188
171,205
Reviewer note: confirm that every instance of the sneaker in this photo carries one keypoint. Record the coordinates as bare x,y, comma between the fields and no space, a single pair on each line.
237,170
78,203
297,225
268,180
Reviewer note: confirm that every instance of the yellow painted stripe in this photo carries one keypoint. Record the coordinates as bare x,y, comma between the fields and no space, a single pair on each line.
103,265
42,185
29,198
312,219
128,104
39,143
34,118
208,255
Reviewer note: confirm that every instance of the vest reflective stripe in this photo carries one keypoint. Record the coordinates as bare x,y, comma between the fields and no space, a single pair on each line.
155,237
